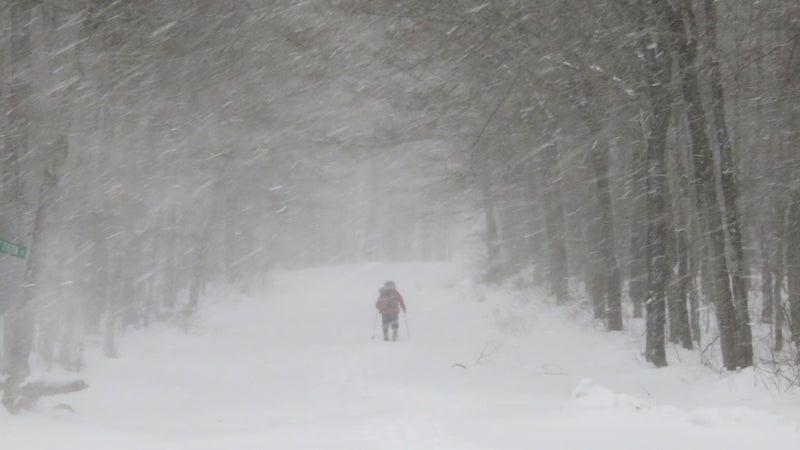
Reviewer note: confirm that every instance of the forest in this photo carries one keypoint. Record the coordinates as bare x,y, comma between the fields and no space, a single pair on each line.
638,157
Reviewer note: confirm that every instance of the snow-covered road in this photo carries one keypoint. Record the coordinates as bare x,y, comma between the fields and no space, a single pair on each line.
291,365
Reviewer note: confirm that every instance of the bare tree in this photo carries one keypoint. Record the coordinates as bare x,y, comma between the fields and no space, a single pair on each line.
18,321
659,74
729,190
709,208
555,223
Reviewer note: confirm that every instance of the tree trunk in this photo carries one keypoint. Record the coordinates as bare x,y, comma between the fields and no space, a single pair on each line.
679,249
494,252
195,283
659,74
779,272
555,222
594,278
170,260
777,295
729,193
694,300
535,228
680,329
606,243
768,301
57,153
637,286
18,314
793,267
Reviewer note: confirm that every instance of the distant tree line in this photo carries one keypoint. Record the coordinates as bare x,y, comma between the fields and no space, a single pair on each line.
151,148
644,151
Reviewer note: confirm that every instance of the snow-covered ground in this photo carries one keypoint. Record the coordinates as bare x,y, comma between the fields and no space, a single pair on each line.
290,364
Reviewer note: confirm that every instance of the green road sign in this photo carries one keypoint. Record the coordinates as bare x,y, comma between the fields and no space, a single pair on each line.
13,249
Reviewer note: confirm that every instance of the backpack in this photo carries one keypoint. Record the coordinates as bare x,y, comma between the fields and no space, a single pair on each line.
388,300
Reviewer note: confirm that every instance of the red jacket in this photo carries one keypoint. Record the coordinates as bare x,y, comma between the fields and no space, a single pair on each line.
394,310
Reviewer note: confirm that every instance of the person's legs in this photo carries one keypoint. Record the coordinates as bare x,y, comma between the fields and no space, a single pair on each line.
385,319
389,320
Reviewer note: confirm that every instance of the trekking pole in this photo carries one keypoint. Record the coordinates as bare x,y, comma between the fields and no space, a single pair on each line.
408,330
374,324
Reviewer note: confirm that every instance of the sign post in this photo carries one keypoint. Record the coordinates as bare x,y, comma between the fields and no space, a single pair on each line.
13,249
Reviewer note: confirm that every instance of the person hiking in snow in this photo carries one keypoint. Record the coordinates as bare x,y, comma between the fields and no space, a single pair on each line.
389,303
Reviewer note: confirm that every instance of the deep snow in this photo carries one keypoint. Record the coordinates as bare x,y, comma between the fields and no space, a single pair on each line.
290,364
